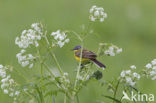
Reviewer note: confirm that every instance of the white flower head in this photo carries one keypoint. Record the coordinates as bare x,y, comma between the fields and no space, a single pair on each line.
153,78
153,62
112,50
132,83
30,36
65,74
119,50
148,66
60,38
1,66
128,79
25,60
154,68
122,74
17,93
128,72
97,13
5,91
136,75
133,67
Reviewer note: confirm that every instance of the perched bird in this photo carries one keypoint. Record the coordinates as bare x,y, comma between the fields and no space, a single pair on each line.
87,56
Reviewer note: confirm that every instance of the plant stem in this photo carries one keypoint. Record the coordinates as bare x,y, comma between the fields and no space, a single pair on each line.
53,55
65,98
57,63
78,71
41,70
53,99
116,88
77,99
49,70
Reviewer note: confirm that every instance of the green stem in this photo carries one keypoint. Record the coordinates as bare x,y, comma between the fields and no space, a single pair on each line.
53,56
41,70
116,88
77,99
65,98
78,71
53,99
56,61
49,70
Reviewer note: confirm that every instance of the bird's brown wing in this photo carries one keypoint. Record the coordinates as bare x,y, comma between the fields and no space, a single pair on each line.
86,54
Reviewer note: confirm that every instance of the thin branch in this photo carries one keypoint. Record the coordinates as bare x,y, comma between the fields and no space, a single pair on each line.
56,61
79,67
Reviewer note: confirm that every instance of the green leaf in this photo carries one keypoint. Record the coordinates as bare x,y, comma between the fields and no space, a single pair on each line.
51,93
115,100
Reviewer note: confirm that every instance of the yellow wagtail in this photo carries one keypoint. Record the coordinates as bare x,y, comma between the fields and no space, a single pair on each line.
87,56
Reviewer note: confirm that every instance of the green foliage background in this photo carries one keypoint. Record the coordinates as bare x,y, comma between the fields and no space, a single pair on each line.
131,24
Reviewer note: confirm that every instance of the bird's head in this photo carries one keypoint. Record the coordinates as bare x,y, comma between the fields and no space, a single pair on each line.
76,48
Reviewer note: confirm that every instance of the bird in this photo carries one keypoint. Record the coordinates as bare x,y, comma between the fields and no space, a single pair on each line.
86,57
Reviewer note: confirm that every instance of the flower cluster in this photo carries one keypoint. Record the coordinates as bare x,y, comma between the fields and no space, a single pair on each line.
7,83
151,69
60,38
63,81
97,13
30,36
25,60
108,49
113,50
129,76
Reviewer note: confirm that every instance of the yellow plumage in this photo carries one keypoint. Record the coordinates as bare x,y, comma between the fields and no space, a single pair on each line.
83,60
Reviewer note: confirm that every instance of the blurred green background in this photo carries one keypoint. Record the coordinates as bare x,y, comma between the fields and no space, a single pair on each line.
131,24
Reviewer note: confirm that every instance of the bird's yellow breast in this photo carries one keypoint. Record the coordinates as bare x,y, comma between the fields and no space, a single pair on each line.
82,60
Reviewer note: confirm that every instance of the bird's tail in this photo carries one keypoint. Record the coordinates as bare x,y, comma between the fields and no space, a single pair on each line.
99,64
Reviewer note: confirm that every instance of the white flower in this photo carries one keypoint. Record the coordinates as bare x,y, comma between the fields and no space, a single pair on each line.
119,50
153,62
154,78
112,50
31,65
30,36
5,91
65,74
122,74
152,73
132,83
128,79
2,73
17,93
1,66
128,72
80,77
101,19
11,81
25,60
92,18
133,67
97,13
60,43
11,94
148,66
60,38
154,68
8,85
136,75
